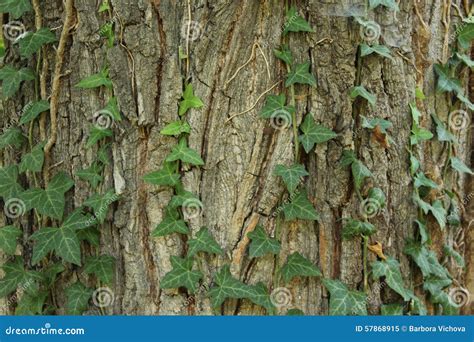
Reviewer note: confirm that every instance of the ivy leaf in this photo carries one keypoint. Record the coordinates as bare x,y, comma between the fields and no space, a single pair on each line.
422,180
344,301
415,113
295,23
465,59
362,92
166,176
45,242
447,303
291,175
300,74
419,134
12,137
16,275
32,110
459,165
275,104
390,269
15,7
102,154
102,266
9,188
32,42
228,287
113,109
181,275
445,81
12,79
348,157
31,304
170,225
100,204
261,243
374,122
425,259
34,160
387,3
77,298
461,97
96,134
423,231
67,245
438,211
182,152
8,239
466,35
284,54
391,310
203,242
449,251
92,174
314,134
443,133
382,50
90,234
181,197
434,284
295,312
298,266
189,100
176,128
261,296
77,220
300,208
359,173
355,227
96,80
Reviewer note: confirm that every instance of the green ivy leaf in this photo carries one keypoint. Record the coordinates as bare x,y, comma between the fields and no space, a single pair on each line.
300,74
392,4
382,50
438,211
12,137
354,228
344,301
362,92
284,54
103,155
45,242
32,42
291,175
425,259
459,165
96,134
295,312
275,104
189,100
96,80
313,133
348,157
31,304
449,251
34,160
100,204
443,133
391,310
181,197
104,6
425,237
77,298
465,100
32,110
203,242
176,128
261,243
77,220
92,174
419,134
228,287
15,7
8,239
102,266
90,234
170,225
465,59
261,296
295,23
298,266
181,275
67,245
434,284
182,152
421,180
16,275
466,35
300,208
445,81
51,273
9,188
448,305
166,176
12,79
359,173
415,113
390,269
113,109
374,122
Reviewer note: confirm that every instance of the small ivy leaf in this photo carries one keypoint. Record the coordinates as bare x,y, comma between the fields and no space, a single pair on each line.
362,92
189,100
92,174
181,275
447,303
96,134
374,122
34,160
439,213
459,165
313,133
32,42
419,134
45,242
284,54
390,269
182,152
113,109
419,93
391,4
382,50
103,154
166,176
425,259
466,35
295,312
425,237
422,180
300,208
300,74
348,157
31,304
15,7
391,310
170,225
227,286
181,197
100,204
443,133
104,6
107,31
77,220
12,79
434,284
77,298
354,228
465,59
449,251
60,183
414,164
12,137
9,188
90,234
261,296
67,245
359,172
261,243
465,100
176,128
291,175
102,266
203,242
445,81
295,23
422,204
32,110
96,80
298,266
16,275
8,239
275,104
344,301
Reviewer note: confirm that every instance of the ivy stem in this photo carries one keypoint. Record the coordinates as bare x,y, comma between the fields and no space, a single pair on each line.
293,118
364,251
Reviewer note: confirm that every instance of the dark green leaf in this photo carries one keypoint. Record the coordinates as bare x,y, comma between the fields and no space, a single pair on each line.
291,175
382,50
34,160
8,239
449,251
12,137
261,243
170,225
227,286
9,188
313,133
181,275
362,92
354,228
466,35
390,269
284,54
166,176
102,266
300,208
203,242
92,174
32,42
359,173
101,203
391,4
77,298
300,74
295,23
96,134
445,81
274,105
176,128
12,79
96,80
15,7
344,301
459,165
298,266
189,100
32,110
392,310
182,152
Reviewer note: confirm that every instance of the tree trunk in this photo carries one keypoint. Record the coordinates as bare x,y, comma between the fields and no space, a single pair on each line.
231,64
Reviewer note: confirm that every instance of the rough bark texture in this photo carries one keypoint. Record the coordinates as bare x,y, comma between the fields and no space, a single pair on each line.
237,186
